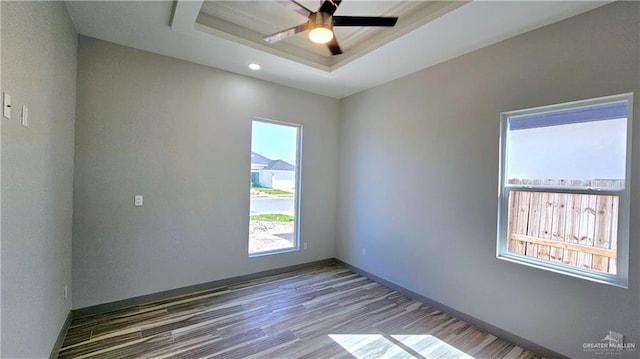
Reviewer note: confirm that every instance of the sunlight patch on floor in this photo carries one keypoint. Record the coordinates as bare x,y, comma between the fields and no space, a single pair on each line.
369,346
396,346
431,347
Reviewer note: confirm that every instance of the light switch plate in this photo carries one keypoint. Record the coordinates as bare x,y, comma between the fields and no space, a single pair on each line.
6,109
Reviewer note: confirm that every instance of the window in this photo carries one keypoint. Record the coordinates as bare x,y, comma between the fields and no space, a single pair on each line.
564,196
275,184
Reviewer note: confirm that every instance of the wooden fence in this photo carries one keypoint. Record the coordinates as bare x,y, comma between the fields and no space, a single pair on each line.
575,229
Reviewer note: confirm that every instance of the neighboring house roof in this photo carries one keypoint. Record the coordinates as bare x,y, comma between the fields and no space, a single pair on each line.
280,165
259,159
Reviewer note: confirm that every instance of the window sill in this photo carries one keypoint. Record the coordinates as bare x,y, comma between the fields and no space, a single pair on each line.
603,278
270,253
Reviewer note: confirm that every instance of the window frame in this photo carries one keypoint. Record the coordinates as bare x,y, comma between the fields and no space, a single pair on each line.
620,279
297,196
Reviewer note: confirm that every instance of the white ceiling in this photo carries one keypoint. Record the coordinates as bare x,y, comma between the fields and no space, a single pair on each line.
170,28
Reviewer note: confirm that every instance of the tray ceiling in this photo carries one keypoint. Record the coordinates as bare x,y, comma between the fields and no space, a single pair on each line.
250,21
227,36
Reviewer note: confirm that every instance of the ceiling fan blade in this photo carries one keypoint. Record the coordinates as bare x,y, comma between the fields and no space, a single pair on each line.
334,47
297,7
281,35
329,6
364,21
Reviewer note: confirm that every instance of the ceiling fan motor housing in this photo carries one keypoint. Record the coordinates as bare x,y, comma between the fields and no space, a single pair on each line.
321,19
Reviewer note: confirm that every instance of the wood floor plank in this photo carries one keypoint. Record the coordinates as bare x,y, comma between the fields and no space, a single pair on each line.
93,346
320,312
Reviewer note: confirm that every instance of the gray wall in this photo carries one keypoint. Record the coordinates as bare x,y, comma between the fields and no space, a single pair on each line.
179,134
418,179
0,185
39,51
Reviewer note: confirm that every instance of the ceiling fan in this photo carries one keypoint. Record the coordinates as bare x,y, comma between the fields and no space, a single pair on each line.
320,24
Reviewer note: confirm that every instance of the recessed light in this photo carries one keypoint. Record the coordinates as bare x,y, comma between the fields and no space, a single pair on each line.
254,67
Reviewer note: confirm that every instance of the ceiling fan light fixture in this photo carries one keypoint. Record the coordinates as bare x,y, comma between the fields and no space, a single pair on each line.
320,35
320,28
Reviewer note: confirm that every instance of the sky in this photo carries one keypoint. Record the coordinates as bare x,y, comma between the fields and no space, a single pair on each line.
585,150
274,141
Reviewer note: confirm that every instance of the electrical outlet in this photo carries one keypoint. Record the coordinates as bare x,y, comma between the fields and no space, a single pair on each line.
66,291
304,246
137,200
364,252
25,116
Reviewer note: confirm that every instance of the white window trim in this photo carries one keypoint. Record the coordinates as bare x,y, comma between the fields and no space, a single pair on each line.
619,279
298,194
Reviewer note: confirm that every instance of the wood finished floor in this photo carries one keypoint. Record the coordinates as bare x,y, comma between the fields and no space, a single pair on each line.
322,312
